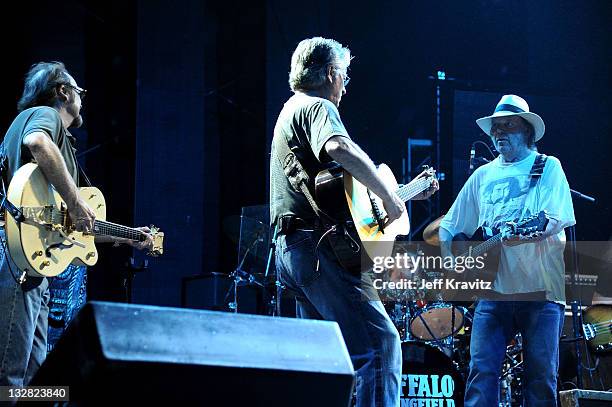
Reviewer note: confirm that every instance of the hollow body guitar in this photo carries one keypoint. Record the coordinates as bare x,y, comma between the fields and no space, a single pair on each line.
46,242
344,198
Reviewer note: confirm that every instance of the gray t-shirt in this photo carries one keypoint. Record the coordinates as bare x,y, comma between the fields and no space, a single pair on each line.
35,119
307,122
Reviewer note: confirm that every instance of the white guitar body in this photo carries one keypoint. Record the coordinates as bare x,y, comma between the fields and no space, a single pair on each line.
45,243
376,241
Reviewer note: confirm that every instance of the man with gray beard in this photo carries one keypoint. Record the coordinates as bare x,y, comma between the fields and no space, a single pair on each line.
528,293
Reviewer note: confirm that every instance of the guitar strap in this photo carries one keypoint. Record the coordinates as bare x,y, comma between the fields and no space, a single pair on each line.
344,246
535,173
537,169
83,175
297,175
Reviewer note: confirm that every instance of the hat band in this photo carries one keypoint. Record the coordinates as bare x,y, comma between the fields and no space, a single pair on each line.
509,108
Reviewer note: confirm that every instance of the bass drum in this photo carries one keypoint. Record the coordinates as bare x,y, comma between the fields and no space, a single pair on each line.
437,321
429,377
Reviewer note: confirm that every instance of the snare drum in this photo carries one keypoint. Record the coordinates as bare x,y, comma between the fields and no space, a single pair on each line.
437,321
429,377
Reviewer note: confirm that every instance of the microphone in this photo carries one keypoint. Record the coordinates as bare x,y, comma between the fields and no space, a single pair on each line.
582,196
472,155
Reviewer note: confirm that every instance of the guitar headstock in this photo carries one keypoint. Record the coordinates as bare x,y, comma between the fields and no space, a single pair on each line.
531,225
158,242
429,173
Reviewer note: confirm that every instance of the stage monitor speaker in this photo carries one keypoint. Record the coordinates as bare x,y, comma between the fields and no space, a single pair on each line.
119,353
585,398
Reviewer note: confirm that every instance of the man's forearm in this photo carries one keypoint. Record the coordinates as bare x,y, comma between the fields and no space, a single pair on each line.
353,159
51,163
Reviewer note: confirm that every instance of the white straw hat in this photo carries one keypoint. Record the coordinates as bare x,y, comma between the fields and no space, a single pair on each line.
512,105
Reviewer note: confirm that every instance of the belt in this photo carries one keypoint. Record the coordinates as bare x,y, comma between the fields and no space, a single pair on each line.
288,224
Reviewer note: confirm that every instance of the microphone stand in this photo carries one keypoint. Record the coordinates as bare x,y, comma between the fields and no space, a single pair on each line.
576,304
240,278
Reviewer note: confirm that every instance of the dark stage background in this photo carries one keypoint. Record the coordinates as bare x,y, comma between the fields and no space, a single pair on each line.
183,97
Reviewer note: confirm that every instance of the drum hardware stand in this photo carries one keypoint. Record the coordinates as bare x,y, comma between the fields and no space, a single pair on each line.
576,304
513,371
241,278
275,300
130,272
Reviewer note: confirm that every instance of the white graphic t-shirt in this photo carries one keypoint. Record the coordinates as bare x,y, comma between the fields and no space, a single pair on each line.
499,192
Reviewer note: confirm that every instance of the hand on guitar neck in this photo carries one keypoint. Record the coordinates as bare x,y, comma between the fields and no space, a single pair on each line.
354,160
83,219
435,186
553,227
146,244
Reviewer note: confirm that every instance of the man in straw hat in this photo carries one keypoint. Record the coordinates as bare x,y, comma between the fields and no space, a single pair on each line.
528,293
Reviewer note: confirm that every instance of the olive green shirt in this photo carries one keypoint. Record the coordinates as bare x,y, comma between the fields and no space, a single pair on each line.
38,119
307,122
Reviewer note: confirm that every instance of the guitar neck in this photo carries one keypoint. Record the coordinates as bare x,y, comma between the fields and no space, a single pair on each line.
105,228
412,189
484,247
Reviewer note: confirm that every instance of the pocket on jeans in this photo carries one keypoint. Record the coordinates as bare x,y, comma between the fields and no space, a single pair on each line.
300,258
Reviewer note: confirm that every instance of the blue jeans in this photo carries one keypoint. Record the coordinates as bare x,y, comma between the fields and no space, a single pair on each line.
495,324
68,294
24,311
334,294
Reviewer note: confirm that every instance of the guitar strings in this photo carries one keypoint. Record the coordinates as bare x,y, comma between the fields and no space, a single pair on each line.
406,191
104,227
602,324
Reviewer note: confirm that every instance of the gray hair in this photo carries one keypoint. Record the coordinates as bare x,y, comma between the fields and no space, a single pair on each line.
310,61
41,85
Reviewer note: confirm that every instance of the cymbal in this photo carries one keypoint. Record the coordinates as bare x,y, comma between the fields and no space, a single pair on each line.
430,234
251,228
249,233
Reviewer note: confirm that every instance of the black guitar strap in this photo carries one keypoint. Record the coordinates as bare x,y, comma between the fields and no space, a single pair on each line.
296,174
537,169
83,175
344,245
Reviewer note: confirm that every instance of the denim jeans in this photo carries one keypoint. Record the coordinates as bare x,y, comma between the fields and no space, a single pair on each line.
24,310
334,294
495,324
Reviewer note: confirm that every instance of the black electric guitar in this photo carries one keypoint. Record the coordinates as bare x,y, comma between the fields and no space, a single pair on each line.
488,247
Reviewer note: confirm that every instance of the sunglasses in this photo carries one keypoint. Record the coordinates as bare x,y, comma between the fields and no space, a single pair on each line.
79,91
